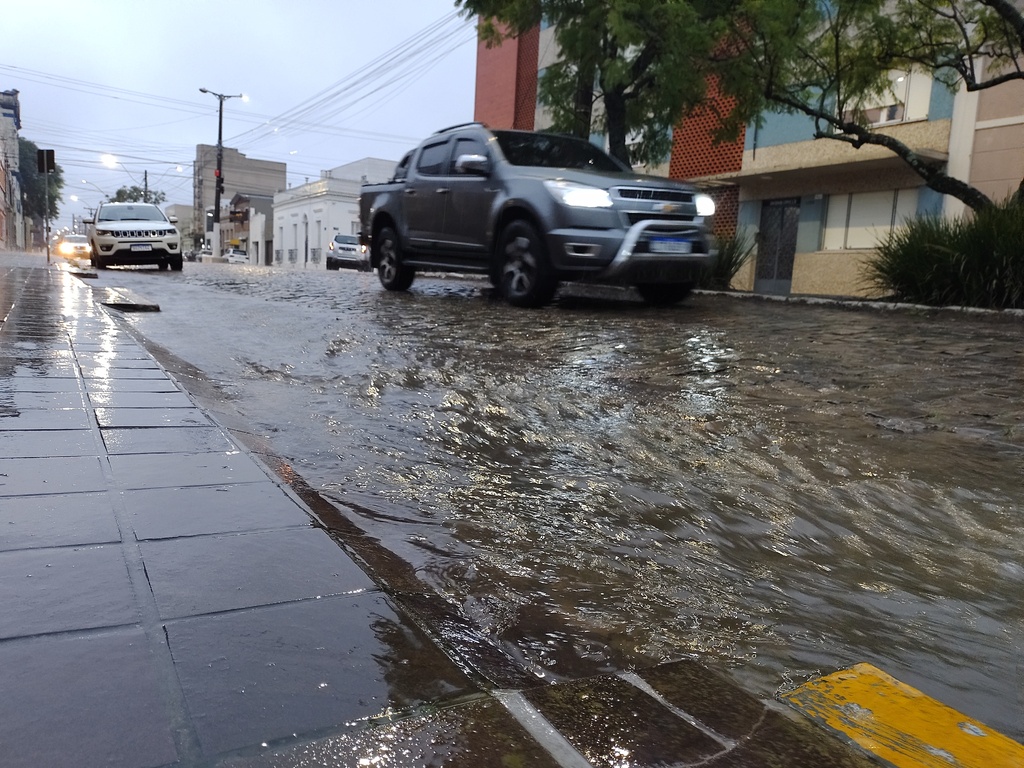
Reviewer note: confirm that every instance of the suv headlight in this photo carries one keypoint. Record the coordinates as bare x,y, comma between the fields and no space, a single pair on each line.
705,205
578,195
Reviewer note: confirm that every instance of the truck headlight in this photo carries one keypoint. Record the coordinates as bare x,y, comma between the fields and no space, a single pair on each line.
578,195
705,206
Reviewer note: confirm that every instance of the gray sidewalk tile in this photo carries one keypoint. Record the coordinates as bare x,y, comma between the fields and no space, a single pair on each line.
166,513
15,444
64,589
12,418
57,521
131,385
38,367
133,471
74,474
123,369
28,346
166,440
124,357
207,574
28,400
55,384
152,417
259,675
103,372
91,700
140,400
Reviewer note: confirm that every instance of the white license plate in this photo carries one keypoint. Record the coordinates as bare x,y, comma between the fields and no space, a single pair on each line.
670,245
142,247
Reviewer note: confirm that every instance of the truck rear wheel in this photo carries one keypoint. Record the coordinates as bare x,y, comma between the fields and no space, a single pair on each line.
527,279
392,273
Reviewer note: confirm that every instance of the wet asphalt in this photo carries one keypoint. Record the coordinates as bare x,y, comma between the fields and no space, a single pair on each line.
171,596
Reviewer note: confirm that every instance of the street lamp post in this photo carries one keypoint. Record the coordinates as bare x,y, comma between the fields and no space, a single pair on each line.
218,186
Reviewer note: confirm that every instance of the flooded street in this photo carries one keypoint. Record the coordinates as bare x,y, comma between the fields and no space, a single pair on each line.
777,490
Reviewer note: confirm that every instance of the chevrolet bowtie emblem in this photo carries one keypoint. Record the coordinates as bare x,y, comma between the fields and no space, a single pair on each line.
667,207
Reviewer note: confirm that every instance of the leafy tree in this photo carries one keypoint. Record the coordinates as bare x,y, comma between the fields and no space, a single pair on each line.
35,187
136,194
827,60
630,68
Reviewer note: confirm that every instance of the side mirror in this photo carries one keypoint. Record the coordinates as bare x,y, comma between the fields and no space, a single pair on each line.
173,219
473,165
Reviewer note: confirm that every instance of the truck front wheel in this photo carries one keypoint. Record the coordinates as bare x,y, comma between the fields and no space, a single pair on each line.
392,273
527,279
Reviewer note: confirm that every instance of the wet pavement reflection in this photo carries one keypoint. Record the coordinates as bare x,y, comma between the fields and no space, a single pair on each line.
777,490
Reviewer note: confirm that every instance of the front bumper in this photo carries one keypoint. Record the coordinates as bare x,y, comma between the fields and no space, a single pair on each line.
631,257
123,254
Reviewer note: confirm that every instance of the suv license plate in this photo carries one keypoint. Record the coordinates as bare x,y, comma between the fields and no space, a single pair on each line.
142,247
670,245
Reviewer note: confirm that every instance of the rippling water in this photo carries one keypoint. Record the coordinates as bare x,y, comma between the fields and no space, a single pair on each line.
776,489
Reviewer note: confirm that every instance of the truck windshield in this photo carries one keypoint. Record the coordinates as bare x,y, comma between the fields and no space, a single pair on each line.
548,150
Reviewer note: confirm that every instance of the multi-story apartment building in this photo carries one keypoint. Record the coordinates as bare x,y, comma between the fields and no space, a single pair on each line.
241,175
815,208
12,230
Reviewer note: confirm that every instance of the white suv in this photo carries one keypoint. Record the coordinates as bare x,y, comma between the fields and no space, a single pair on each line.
134,233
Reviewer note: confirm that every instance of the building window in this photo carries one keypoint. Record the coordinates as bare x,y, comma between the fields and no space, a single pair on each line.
907,98
863,219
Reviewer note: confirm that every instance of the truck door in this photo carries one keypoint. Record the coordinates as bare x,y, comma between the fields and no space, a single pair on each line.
470,198
425,197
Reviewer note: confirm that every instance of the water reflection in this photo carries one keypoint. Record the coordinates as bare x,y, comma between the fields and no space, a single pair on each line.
781,490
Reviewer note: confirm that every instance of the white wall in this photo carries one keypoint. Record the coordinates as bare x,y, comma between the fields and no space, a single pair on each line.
307,217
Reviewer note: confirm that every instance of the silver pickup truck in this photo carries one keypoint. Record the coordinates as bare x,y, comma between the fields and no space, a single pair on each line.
530,210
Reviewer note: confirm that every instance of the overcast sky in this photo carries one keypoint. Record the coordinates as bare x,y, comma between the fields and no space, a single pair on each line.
327,82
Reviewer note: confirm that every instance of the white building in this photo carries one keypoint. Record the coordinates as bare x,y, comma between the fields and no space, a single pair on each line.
307,217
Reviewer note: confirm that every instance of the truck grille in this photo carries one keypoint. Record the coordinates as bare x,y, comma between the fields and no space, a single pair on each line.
657,195
679,218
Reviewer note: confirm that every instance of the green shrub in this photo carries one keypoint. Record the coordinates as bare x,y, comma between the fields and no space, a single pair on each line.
973,261
733,252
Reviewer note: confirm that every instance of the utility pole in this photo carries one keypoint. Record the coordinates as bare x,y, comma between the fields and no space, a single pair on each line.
218,174
145,186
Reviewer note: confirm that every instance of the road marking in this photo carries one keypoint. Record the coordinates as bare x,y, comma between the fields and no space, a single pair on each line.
900,724
538,726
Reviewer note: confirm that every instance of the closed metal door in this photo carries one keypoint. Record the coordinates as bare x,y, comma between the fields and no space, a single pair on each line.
776,246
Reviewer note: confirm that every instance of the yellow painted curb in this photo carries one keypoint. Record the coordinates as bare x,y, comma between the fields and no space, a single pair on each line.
900,724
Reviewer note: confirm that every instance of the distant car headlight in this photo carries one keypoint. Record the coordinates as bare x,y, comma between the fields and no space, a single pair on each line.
705,205
578,195
65,248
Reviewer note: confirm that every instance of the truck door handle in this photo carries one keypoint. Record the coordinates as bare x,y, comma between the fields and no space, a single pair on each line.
410,192
442,190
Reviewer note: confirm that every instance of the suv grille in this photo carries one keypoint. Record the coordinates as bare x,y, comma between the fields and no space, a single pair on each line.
130,233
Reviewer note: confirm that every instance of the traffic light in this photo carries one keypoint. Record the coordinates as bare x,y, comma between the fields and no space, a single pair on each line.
220,180
45,161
